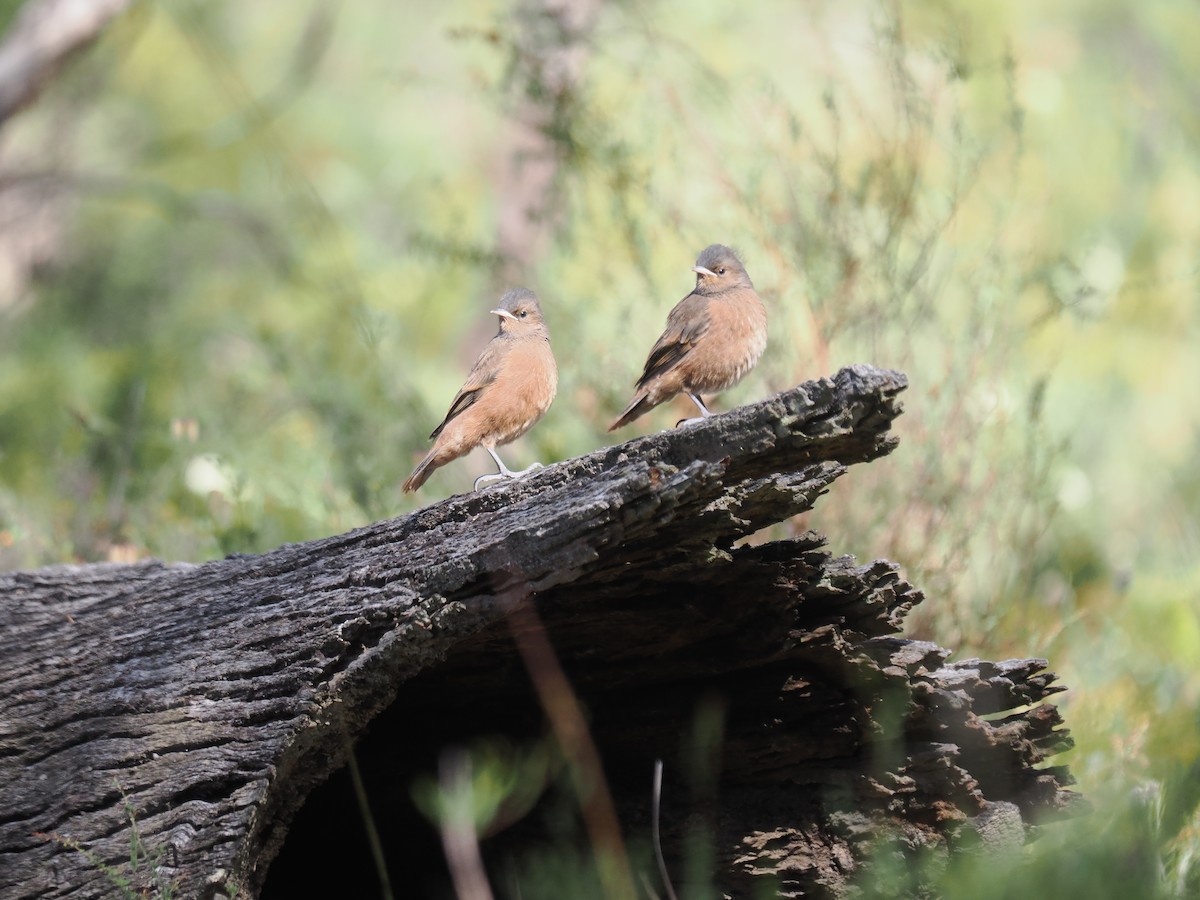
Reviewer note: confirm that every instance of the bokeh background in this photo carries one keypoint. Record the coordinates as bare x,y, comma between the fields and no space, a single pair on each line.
247,252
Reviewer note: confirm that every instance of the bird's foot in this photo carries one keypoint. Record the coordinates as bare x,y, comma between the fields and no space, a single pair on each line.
504,474
530,468
682,422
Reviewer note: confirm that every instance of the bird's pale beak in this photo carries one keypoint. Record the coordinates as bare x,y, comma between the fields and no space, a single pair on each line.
503,313
700,270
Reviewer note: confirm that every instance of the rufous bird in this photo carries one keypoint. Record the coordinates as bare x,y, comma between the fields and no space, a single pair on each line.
510,387
714,336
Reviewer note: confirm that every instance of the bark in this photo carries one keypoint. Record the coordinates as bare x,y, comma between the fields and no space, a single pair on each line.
214,698
43,36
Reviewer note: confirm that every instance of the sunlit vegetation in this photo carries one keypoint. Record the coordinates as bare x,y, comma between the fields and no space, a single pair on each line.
247,253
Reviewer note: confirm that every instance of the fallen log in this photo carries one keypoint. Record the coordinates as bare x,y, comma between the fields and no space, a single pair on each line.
193,710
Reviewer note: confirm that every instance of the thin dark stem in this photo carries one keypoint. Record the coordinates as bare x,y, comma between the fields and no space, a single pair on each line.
656,799
364,808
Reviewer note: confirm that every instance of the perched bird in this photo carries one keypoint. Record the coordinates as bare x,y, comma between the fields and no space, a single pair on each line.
510,387
714,336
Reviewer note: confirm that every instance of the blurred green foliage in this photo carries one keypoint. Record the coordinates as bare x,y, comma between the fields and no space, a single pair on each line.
248,252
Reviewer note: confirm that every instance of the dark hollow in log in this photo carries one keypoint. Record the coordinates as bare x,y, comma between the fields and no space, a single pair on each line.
214,699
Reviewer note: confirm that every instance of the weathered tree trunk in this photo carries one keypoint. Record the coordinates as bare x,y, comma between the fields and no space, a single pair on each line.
549,52
216,697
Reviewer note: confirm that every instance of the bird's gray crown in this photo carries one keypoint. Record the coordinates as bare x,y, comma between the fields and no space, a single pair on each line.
715,255
515,296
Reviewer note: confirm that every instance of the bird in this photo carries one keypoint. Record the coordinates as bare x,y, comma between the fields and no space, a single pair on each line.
714,336
509,388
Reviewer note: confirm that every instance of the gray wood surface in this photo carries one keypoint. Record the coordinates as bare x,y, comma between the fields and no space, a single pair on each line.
213,698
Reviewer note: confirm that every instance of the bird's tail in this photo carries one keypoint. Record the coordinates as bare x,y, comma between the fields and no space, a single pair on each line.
636,407
420,473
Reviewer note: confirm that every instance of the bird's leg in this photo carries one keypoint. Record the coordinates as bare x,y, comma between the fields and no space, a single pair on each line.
505,471
704,413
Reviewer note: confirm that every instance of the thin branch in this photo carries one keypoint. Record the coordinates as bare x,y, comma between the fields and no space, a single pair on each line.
655,807
460,839
43,36
570,728
208,205
364,808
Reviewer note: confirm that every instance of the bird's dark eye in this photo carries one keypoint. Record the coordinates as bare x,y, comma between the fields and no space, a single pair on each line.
721,271
523,313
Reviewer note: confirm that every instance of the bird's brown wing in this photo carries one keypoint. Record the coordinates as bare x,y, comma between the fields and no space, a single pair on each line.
481,375
685,324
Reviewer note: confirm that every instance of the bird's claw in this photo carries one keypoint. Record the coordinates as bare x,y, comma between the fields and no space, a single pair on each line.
488,479
501,476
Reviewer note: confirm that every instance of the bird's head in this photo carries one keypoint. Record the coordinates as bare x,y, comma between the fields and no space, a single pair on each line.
718,269
519,312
